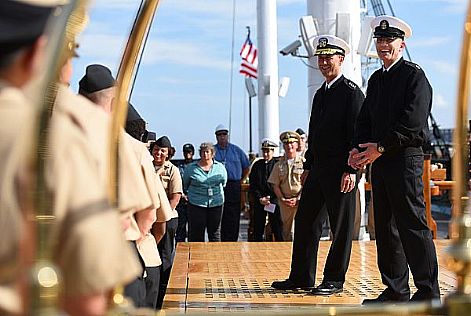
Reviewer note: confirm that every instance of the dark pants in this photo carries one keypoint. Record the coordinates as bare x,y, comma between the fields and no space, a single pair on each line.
402,236
166,248
136,290
204,218
322,187
182,210
259,220
231,213
152,281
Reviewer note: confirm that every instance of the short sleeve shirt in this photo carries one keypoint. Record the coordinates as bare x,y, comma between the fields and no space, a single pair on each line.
287,175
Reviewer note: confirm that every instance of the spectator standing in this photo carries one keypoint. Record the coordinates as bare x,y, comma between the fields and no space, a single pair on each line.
204,181
237,166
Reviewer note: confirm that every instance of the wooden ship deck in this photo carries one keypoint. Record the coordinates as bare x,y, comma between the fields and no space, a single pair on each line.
236,277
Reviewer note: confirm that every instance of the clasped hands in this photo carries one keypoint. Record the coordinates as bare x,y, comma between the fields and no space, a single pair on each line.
358,160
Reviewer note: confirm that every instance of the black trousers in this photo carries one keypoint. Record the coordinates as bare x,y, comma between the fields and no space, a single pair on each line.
259,220
152,282
322,187
182,210
231,213
204,218
136,290
402,236
166,248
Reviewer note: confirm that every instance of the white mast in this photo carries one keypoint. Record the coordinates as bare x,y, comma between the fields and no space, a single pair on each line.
340,18
268,103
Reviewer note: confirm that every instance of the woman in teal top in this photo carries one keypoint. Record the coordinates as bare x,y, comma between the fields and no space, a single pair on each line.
204,181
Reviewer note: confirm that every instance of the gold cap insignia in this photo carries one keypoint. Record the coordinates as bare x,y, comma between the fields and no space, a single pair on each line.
384,24
323,42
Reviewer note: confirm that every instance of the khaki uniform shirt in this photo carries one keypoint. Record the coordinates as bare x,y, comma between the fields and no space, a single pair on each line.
171,180
16,134
147,246
288,176
90,248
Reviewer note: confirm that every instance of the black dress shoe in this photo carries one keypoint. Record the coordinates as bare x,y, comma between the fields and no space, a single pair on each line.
385,297
327,288
424,297
288,285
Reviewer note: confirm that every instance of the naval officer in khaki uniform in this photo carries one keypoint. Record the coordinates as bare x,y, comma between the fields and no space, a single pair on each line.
286,180
98,85
70,168
172,182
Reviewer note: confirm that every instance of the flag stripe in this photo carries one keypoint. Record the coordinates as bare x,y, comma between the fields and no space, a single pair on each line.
249,54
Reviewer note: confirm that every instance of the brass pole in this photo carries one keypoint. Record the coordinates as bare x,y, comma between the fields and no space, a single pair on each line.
128,67
460,302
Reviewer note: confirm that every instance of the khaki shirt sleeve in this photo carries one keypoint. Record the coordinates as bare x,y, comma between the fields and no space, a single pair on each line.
164,212
90,248
274,177
147,248
175,183
133,187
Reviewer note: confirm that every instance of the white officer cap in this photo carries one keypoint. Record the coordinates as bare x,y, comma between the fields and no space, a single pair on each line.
331,45
221,128
390,26
267,143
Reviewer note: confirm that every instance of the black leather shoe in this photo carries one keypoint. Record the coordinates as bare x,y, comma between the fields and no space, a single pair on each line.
327,288
385,297
289,285
424,297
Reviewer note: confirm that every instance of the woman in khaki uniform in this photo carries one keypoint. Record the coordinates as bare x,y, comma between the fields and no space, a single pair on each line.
172,182
286,180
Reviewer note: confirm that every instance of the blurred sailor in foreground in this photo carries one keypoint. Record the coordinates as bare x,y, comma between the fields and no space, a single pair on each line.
138,198
70,167
390,131
329,184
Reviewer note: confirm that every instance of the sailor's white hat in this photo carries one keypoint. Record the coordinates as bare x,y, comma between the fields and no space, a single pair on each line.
390,26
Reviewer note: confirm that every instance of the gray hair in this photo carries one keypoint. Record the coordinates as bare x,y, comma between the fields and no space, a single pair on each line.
206,146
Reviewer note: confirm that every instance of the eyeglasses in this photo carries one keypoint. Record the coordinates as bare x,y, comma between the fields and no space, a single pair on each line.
221,134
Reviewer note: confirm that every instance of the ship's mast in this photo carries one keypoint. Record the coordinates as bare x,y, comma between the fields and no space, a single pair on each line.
268,103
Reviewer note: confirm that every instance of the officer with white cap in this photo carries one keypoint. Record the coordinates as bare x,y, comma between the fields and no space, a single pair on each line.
329,184
263,195
391,129
237,166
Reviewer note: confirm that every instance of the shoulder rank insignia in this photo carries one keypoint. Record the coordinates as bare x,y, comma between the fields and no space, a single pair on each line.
413,65
350,83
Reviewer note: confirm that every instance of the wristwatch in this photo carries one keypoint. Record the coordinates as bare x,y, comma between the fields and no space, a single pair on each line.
380,148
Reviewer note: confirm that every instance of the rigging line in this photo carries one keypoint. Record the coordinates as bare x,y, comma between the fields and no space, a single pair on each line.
394,14
232,65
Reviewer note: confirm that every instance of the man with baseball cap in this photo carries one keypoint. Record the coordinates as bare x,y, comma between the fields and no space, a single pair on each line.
237,166
329,184
391,129
182,207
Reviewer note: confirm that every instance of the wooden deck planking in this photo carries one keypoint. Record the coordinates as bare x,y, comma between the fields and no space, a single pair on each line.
237,276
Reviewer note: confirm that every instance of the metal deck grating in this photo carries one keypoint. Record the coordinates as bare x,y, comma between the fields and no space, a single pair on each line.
216,277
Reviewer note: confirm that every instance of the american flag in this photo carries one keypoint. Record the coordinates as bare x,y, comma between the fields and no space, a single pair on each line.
248,66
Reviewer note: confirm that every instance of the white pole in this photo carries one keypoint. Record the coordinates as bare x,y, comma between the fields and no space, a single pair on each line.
268,103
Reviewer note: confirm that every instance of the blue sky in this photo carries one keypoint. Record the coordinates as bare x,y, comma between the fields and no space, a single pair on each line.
183,85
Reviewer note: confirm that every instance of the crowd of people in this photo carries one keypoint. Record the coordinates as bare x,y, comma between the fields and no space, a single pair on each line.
100,246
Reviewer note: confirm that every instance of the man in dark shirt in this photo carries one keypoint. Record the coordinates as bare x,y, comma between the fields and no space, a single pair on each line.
390,131
182,207
263,195
328,179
